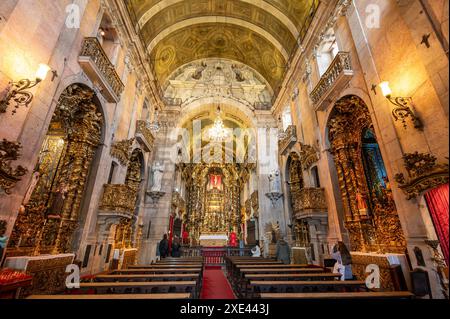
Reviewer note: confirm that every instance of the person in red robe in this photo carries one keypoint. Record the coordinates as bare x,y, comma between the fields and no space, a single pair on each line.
233,240
185,237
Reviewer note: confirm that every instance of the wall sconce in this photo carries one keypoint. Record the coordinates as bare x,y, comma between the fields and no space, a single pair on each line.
19,94
403,107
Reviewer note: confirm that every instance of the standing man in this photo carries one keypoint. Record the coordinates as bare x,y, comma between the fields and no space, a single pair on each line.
164,247
283,252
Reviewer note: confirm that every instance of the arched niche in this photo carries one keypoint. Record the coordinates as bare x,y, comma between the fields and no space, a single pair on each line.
370,213
51,209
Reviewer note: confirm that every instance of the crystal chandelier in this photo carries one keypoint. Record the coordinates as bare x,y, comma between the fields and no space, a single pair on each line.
218,133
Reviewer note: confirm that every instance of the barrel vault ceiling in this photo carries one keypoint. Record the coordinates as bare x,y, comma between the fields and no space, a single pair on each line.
262,34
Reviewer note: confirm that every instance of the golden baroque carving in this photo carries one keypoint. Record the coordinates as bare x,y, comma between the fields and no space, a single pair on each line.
9,176
118,198
122,150
423,174
311,198
308,155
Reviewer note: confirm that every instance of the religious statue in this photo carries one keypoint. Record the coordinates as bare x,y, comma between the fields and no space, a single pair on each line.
33,183
157,171
275,181
362,204
58,199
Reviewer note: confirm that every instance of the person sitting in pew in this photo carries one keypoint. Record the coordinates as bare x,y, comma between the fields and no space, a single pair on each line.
256,251
283,252
344,260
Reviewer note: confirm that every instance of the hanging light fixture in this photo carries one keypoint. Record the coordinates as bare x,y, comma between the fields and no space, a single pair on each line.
281,133
218,133
154,126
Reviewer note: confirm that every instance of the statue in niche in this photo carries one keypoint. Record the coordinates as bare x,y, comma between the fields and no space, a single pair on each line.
33,183
362,204
157,170
199,71
58,199
275,181
239,76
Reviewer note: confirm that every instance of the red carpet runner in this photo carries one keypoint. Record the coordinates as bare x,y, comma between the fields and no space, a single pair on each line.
215,285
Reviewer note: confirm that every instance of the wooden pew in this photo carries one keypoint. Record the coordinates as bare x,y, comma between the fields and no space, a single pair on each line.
305,274
258,287
165,266
237,269
156,271
113,296
341,295
151,277
141,287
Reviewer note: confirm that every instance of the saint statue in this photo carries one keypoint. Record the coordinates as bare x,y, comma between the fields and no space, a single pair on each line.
157,170
275,181
34,181
58,199
362,204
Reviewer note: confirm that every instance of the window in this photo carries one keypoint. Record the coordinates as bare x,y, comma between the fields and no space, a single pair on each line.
327,51
111,172
286,117
145,112
315,176
108,38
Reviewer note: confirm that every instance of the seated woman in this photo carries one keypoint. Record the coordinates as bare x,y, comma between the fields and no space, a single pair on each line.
343,261
256,251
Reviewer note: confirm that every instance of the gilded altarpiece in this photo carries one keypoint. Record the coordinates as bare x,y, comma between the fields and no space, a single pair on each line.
50,210
213,204
370,214
127,227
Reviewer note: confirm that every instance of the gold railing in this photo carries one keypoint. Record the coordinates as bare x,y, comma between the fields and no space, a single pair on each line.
118,198
93,51
341,66
289,139
144,134
311,199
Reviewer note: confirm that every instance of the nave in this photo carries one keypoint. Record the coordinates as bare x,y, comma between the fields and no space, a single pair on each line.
243,277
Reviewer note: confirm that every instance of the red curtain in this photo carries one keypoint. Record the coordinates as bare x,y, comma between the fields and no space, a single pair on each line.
171,220
437,201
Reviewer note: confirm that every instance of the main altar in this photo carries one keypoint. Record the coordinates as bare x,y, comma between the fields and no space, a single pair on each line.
216,239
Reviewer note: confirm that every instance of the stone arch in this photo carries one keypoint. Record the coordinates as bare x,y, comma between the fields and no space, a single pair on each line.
371,219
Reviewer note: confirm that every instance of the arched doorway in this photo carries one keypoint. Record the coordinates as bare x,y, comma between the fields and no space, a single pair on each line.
370,213
50,210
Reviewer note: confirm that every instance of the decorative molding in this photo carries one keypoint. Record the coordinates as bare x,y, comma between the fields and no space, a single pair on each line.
274,197
118,199
308,155
423,174
9,176
122,151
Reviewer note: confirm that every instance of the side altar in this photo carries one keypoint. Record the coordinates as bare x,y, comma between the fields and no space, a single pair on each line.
213,239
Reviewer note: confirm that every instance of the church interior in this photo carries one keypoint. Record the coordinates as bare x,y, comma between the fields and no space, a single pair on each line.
224,149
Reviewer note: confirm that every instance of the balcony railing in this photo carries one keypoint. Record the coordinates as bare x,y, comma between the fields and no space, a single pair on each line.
144,135
96,64
118,200
289,140
333,80
310,202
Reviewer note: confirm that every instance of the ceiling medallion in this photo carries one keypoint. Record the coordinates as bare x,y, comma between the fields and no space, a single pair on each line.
218,133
